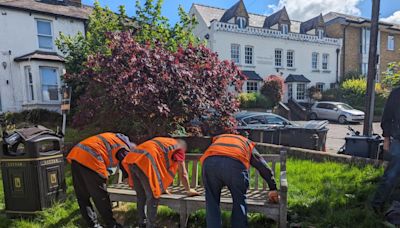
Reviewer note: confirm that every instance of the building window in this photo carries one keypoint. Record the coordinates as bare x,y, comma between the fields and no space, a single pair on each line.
290,58
314,61
390,44
235,53
290,90
45,35
320,87
365,40
325,59
252,87
278,57
364,69
29,84
285,29
241,22
301,91
248,55
320,33
49,83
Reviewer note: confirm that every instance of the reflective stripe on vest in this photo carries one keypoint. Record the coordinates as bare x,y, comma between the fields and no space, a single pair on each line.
90,151
153,164
109,150
166,150
229,145
235,137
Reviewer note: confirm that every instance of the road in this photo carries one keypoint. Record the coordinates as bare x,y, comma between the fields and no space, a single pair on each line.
337,133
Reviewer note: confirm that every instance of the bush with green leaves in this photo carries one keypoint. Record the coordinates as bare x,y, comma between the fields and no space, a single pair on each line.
353,92
391,78
254,100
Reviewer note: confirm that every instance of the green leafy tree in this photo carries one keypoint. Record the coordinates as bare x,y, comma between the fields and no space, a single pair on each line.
391,78
77,48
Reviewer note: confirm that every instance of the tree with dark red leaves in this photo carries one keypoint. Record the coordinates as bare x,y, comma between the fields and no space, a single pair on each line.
148,90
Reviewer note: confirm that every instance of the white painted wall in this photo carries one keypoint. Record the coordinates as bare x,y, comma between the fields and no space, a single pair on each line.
264,54
18,36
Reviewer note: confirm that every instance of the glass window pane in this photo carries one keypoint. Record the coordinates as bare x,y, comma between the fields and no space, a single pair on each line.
44,27
49,83
45,42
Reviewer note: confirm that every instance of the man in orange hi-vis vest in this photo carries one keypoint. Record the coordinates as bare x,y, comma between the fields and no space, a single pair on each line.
226,163
151,167
92,161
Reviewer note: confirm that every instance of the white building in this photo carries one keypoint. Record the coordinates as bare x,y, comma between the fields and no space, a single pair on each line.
30,63
272,45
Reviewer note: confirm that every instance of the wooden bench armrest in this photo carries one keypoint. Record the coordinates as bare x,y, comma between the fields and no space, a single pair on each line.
283,182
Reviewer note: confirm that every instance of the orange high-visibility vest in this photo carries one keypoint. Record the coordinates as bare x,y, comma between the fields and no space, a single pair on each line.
230,145
98,152
154,159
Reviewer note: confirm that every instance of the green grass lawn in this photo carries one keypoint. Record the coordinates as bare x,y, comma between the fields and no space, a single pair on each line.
320,195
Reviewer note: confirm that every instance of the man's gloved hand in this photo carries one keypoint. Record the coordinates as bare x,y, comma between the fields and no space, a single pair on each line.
273,197
192,192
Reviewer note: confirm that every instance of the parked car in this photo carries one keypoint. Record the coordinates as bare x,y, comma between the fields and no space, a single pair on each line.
260,119
336,111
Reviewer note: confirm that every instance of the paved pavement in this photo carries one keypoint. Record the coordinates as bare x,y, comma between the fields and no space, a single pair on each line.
337,133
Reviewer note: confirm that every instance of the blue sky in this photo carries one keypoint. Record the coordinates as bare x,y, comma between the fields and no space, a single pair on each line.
297,9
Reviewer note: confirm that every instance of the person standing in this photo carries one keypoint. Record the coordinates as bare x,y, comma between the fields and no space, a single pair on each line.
390,124
92,161
226,163
151,168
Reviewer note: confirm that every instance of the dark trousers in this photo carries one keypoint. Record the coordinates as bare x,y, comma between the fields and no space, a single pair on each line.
146,203
391,177
220,171
89,184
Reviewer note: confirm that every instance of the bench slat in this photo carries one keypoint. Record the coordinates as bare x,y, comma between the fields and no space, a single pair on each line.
195,174
256,176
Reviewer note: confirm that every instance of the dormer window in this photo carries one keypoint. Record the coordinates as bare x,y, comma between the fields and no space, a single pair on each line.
285,29
241,22
320,33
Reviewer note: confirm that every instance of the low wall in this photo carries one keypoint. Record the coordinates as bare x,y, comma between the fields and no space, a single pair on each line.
200,144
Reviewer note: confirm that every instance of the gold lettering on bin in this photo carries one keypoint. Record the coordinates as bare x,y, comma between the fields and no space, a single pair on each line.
53,178
17,182
14,164
50,162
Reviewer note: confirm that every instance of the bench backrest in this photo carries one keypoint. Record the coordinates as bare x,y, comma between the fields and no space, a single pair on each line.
275,161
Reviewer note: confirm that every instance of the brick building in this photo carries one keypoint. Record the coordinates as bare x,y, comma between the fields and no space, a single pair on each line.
355,32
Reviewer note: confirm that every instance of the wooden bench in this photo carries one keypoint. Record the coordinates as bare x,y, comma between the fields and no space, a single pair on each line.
256,195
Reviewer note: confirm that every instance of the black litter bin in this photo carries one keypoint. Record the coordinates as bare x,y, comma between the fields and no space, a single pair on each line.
311,136
32,167
363,146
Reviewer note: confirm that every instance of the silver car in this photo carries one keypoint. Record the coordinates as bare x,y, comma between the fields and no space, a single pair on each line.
336,111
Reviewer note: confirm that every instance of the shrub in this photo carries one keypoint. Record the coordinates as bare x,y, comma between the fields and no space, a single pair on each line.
149,90
33,117
254,100
273,89
352,75
391,78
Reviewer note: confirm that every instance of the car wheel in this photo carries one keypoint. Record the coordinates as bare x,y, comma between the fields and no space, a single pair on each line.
313,116
342,119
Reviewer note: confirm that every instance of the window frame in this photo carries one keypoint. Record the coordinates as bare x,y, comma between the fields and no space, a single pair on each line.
302,96
290,90
318,85
241,22
29,84
280,58
285,29
247,56
287,58
320,33
37,20
238,53
314,65
41,83
325,61
390,43
252,87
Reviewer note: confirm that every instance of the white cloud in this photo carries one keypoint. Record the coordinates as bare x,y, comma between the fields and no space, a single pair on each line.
394,18
306,9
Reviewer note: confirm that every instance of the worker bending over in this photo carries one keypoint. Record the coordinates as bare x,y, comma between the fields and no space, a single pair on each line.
92,161
226,163
151,167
